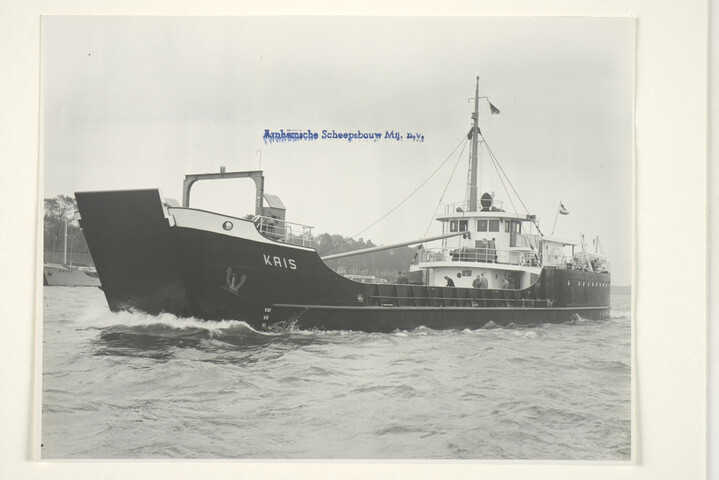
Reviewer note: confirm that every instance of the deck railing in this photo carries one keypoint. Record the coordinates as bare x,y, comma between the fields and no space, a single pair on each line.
466,206
484,255
512,257
426,296
282,231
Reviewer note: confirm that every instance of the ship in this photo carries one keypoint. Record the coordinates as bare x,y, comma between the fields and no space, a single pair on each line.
489,267
62,275
67,274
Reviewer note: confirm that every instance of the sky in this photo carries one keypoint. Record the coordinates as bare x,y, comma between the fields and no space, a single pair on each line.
139,102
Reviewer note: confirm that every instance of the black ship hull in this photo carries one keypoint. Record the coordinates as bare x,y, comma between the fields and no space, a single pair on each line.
199,264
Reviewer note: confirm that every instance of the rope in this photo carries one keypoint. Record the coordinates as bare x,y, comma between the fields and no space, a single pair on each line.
499,168
491,153
459,157
399,204
494,159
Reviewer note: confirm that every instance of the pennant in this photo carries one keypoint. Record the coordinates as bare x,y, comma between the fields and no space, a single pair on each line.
562,210
493,109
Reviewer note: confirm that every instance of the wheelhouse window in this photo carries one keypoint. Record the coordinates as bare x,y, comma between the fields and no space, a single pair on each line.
512,227
481,225
453,226
494,225
463,225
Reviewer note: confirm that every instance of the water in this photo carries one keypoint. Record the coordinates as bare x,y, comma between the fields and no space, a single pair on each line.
130,385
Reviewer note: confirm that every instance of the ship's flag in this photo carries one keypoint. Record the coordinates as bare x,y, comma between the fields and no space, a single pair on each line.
493,109
562,209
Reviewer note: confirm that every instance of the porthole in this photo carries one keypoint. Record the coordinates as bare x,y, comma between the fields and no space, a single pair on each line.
569,282
360,298
227,225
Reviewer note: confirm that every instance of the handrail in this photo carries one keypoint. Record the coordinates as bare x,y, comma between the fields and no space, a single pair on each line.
485,255
281,230
438,296
511,257
465,206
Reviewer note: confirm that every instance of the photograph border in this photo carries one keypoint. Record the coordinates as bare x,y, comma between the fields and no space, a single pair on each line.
670,421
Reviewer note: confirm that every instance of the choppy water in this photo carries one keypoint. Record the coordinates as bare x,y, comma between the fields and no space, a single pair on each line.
139,386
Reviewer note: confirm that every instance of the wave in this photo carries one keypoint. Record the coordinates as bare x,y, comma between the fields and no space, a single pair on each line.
156,336
139,333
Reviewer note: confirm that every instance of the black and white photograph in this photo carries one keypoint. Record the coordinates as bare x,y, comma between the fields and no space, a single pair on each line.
346,237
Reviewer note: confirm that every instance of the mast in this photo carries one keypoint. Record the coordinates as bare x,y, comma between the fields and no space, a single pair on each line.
473,152
64,253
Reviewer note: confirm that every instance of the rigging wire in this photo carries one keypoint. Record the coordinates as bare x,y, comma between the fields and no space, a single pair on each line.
494,158
496,167
459,157
399,204
499,168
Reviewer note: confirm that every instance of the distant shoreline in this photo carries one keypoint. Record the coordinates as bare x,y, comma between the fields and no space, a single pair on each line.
621,289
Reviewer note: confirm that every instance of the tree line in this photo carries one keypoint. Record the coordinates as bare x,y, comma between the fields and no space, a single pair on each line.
59,211
383,264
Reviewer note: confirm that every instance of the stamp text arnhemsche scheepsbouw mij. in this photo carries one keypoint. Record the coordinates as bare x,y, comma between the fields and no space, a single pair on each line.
308,135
